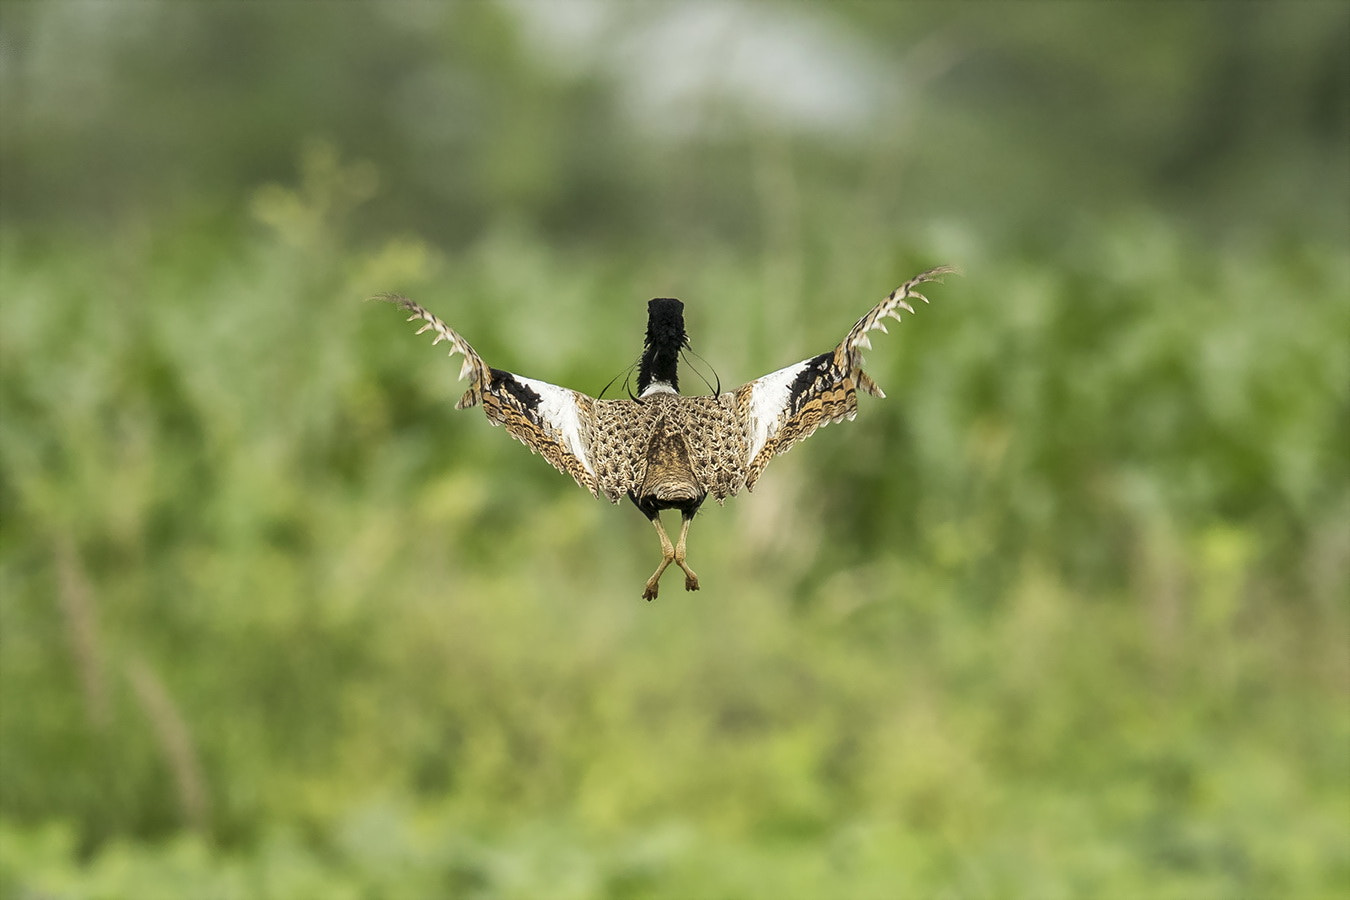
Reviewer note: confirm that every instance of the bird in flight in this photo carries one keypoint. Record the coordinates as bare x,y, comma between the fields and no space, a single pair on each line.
666,450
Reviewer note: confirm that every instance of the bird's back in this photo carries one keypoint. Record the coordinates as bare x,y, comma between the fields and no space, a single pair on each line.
670,439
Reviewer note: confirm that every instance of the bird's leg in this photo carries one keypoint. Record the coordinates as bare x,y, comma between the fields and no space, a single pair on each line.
667,554
690,579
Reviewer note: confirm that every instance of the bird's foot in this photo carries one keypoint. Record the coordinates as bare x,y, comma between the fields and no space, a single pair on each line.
651,590
690,582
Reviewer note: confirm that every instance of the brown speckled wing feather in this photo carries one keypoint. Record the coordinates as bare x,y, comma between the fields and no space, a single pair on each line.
555,422
787,406
621,431
716,436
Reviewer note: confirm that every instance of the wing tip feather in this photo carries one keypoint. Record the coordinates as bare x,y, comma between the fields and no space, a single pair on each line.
936,273
396,299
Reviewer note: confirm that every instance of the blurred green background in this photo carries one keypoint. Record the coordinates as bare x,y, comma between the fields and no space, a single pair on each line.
1065,616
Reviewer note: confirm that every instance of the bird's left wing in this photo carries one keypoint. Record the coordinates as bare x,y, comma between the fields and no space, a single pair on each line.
786,406
553,421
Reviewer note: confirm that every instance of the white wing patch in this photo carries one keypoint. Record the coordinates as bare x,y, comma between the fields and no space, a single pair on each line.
768,403
558,408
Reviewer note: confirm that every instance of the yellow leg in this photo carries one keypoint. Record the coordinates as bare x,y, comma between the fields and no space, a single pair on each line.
690,579
667,555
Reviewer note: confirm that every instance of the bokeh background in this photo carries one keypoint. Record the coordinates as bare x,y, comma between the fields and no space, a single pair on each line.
1064,616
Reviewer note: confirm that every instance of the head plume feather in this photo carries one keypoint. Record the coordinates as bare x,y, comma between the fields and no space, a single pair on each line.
661,349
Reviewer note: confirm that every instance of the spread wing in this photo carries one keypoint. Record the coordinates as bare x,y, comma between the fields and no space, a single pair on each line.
786,406
552,421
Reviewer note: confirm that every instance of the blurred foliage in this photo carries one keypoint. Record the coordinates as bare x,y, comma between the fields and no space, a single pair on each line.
642,122
1064,616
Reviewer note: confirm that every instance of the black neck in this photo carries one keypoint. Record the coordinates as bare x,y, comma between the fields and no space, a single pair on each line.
665,338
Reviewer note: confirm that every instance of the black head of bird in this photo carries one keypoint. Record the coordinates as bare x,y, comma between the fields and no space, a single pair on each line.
666,337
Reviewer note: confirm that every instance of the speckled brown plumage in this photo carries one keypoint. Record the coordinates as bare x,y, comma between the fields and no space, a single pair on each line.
664,450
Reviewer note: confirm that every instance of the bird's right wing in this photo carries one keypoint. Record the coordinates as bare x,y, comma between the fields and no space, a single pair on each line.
553,421
787,406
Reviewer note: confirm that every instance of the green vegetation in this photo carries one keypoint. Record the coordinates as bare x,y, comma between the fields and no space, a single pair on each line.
1064,616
